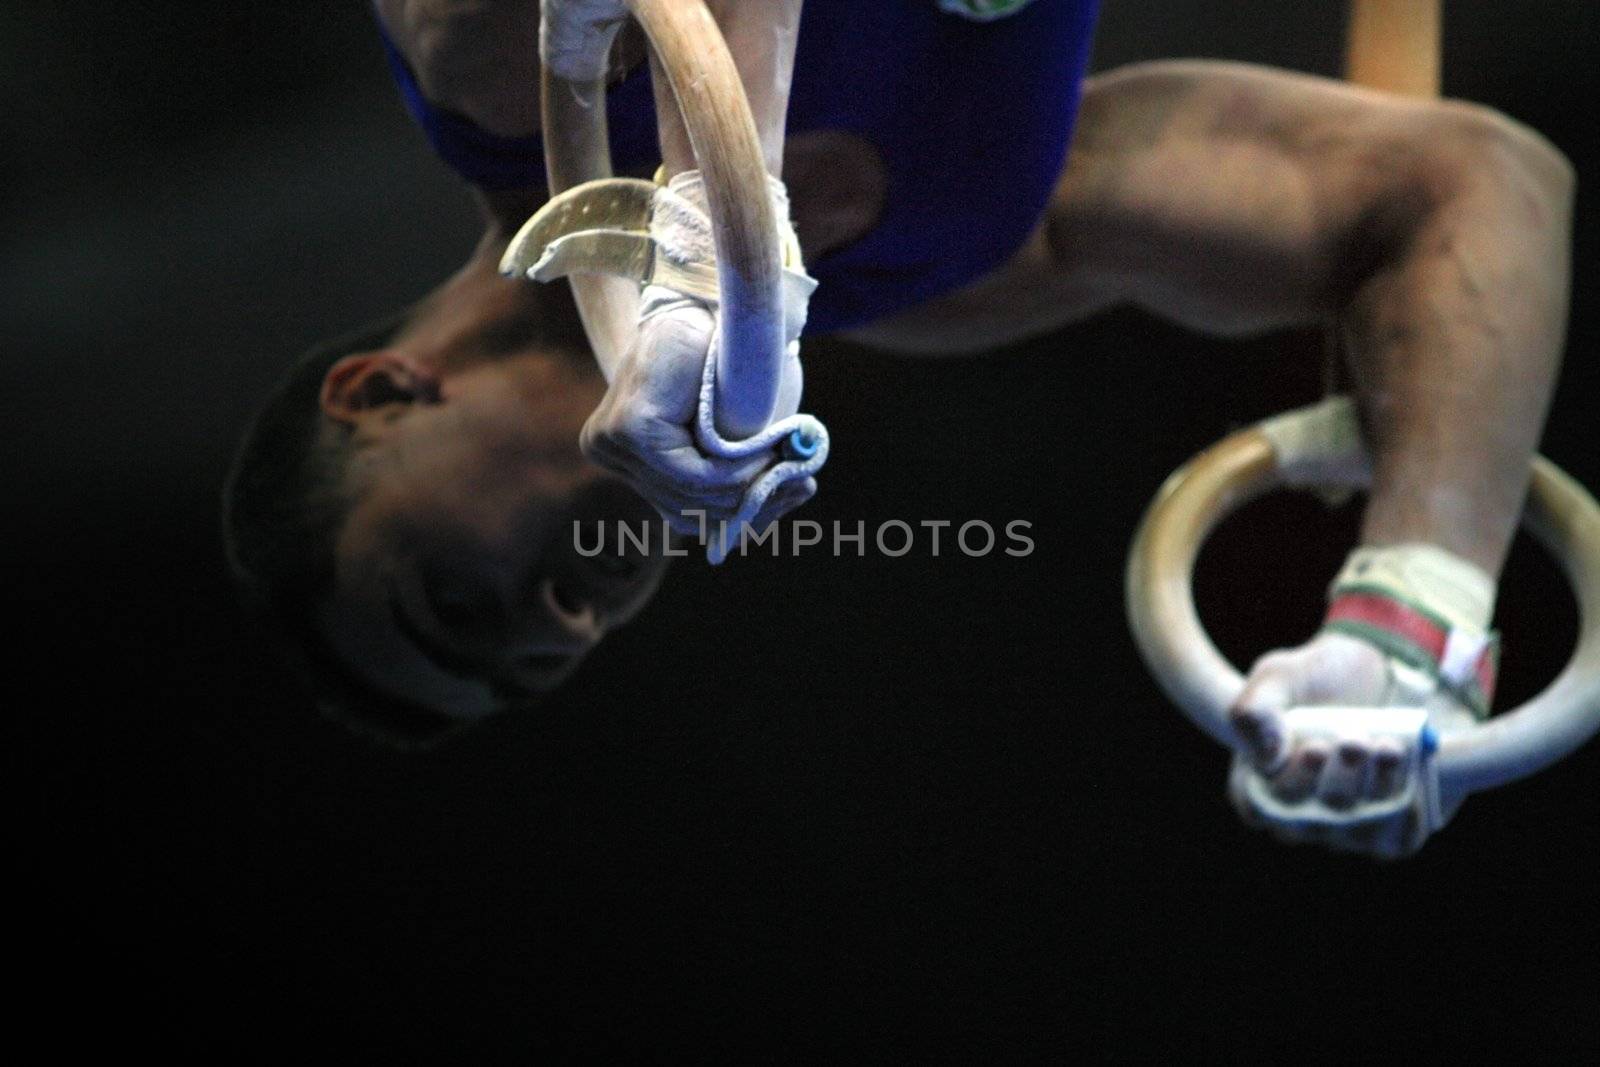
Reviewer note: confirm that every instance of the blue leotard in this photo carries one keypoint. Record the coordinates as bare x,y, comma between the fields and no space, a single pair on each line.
972,121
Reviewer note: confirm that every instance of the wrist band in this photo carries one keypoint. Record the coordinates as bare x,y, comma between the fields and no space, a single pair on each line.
1425,608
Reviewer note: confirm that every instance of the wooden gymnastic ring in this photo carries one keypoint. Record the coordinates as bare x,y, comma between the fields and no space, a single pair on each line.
1560,513
690,49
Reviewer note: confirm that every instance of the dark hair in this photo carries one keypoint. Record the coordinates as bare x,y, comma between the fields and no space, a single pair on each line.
283,504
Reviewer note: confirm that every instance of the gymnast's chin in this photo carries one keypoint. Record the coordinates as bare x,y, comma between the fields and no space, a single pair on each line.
402,511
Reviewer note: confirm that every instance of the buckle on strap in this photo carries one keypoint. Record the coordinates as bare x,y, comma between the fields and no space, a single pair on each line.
603,227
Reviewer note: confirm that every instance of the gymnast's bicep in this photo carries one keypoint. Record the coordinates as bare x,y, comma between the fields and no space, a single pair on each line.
1236,198
1175,196
1230,198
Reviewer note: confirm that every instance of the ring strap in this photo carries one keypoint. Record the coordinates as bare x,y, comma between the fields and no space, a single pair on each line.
603,227
1462,662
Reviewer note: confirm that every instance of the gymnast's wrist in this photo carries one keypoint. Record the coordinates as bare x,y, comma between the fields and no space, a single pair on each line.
680,224
1427,609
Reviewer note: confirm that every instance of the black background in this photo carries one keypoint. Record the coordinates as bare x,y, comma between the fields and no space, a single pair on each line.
801,806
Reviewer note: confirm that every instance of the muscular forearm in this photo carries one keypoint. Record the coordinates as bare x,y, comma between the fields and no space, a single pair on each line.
1455,339
1237,199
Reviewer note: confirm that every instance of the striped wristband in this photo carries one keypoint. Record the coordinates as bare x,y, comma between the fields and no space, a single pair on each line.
1427,610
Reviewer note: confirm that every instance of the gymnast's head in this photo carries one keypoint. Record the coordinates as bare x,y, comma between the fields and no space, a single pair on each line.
404,508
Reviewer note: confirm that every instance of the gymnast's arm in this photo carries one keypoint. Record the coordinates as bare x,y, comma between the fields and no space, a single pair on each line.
1237,199
479,59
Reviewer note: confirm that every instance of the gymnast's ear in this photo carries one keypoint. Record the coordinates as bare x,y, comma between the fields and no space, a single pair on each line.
368,382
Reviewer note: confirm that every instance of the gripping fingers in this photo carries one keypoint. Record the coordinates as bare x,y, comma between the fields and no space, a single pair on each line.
666,455
687,470
1256,716
1301,773
790,496
784,500
685,512
665,466
1352,771
1344,780
1388,770
691,521
1261,730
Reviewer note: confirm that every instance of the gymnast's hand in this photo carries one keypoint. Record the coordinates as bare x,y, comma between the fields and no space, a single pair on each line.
644,428
1357,770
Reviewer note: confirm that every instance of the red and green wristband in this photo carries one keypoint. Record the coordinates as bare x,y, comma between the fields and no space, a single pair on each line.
1461,662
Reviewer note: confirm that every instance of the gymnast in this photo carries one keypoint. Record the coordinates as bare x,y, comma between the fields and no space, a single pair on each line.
403,502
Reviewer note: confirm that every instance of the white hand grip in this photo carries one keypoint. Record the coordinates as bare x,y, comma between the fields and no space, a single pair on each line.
1406,728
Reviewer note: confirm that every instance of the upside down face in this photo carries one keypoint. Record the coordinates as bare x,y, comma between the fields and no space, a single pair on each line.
459,581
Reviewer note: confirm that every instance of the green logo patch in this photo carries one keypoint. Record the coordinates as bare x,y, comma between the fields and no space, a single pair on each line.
983,10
